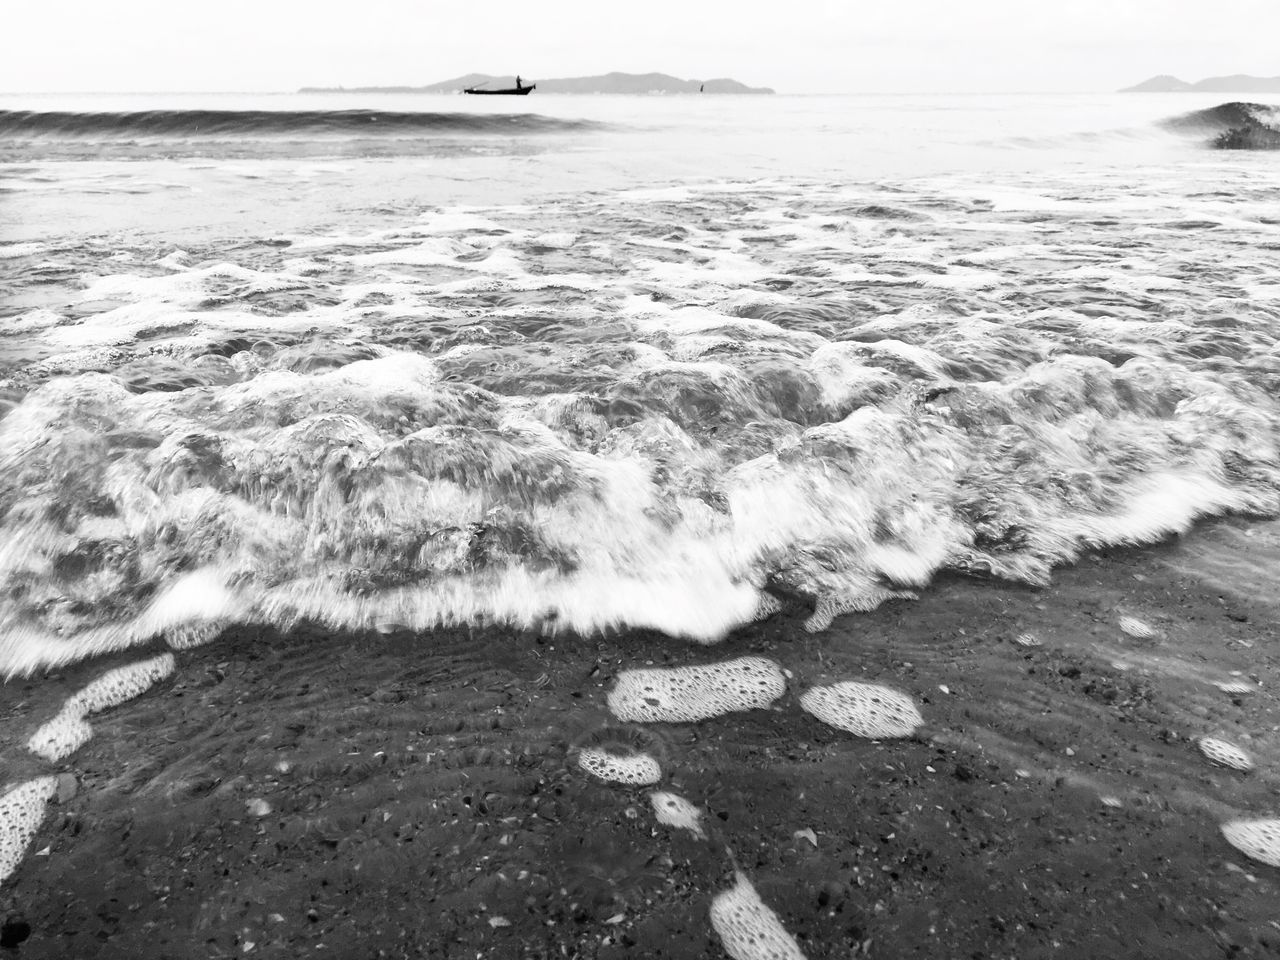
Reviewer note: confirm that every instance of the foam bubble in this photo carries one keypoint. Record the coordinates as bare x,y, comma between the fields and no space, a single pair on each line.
1258,839
120,685
828,608
638,769
685,694
21,810
1139,629
1225,753
60,737
747,928
671,810
864,709
196,634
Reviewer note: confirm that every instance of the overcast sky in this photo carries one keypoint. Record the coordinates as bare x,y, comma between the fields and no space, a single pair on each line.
796,46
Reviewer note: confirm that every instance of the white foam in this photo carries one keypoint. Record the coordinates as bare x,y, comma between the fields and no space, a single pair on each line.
32,320
637,769
184,287
11,251
21,810
1258,839
1225,753
60,737
686,694
747,928
864,709
119,685
554,241
1136,628
675,811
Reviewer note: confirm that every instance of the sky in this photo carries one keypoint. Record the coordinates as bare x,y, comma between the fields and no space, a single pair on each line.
796,46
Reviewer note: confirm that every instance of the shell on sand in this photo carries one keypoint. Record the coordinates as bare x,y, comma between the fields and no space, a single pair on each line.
865,709
748,929
1028,640
1225,753
1259,839
21,810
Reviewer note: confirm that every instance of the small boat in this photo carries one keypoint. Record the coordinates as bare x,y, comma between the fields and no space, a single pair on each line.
520,91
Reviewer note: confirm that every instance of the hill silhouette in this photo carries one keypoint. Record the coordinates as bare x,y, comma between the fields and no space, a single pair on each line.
1236,83
625,83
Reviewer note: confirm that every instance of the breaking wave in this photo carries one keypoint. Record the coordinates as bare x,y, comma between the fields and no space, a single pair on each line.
1233,126
653,409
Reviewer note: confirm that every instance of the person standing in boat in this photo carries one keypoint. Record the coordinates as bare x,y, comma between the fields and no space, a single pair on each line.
519,85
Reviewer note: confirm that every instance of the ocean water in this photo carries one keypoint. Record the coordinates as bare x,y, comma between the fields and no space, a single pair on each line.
580,363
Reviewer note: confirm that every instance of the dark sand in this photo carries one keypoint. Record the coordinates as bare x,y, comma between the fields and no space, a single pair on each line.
424,803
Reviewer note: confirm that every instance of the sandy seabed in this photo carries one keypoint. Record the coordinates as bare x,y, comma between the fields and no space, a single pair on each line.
416,796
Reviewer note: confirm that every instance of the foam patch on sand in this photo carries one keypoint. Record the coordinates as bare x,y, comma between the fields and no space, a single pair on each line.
675,811
21,810
747,928
1138,629
120,685
1225,754
60,737
686,694
69,731
197,634
638,769
1259,839
864,709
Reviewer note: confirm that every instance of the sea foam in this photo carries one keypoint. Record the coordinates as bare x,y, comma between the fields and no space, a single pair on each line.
688,400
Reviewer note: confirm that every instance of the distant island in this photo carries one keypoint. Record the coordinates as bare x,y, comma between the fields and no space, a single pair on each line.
1237,83
630,83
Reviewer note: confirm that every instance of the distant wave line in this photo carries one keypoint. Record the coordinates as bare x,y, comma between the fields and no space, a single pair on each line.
200,123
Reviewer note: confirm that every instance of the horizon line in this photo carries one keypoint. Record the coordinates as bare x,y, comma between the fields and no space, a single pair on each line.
375,88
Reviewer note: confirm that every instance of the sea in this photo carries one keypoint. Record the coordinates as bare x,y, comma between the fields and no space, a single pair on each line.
584,363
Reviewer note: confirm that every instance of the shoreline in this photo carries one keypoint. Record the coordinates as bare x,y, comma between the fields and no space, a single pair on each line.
423,799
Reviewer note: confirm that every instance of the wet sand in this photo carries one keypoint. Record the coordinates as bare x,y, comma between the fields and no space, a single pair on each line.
416,796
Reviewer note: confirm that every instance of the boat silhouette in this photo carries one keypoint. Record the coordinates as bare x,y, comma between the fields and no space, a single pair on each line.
519,90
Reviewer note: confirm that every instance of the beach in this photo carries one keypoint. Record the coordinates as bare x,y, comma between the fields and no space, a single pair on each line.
389,455
423,800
